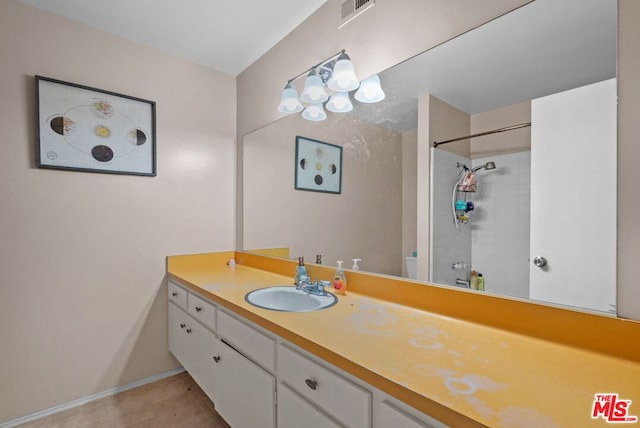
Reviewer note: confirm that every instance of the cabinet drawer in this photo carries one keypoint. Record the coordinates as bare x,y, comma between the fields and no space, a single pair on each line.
178,295
202,310
246,339
295,412
344,400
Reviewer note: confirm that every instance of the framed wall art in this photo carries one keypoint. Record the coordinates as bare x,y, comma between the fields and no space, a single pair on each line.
88,129
318,166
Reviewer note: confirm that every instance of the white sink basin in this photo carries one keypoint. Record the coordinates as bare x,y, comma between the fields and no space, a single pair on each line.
288,299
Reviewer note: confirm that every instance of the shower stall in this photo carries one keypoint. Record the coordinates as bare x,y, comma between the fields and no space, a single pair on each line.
480,220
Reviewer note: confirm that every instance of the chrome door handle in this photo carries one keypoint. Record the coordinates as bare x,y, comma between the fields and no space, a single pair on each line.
539,261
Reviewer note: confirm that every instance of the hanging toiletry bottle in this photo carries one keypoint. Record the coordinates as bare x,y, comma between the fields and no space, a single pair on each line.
301,271
340,280
355,264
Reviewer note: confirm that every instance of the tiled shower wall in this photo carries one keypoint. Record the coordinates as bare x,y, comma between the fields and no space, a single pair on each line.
496,240
500,224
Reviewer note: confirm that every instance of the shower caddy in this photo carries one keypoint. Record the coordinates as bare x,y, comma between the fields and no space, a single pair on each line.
461,203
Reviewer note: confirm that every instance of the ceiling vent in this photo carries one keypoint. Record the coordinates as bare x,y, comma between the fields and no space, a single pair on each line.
353,8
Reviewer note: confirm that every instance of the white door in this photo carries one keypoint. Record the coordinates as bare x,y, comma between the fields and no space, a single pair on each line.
573,197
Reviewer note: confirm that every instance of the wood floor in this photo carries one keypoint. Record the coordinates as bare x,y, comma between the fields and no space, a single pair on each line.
174,402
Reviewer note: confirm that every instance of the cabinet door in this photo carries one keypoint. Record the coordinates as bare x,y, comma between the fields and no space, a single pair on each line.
203,349
195,347
246,396
295,412
178,339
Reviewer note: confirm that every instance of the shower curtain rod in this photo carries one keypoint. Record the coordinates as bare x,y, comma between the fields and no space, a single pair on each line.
495,131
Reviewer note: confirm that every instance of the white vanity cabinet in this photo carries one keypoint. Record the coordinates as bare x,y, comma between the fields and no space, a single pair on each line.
242,391
257,379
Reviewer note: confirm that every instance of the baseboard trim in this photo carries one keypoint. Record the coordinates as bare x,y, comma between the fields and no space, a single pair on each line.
88,399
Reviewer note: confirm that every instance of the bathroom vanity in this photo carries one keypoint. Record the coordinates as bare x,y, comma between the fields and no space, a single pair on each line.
390,353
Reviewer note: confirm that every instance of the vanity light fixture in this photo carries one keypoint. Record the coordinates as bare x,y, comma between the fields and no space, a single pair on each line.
313,89
289,102
335,74
340,103
370,90
314,112
344,77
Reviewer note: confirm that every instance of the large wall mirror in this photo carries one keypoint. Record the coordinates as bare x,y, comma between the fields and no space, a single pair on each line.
544,192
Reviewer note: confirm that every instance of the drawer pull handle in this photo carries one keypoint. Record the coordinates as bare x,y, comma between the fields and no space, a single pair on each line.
188,331
182,325
198,308
311,383
216,358
174,294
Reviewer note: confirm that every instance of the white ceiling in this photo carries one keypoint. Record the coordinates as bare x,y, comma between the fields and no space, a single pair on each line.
225,35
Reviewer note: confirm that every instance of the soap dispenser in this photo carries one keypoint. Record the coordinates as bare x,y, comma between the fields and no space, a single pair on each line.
301,270
340,280
355,264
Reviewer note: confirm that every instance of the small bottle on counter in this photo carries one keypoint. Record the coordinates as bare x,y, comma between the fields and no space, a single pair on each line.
301,271
339,282
355,264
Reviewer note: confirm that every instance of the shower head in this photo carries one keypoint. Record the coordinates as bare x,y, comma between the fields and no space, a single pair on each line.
488,166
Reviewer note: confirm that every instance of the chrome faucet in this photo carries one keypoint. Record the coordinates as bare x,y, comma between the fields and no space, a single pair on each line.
316,287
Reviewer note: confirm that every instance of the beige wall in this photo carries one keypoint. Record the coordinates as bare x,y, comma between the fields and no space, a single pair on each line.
518,140
82,255
364,221
628,158
447,122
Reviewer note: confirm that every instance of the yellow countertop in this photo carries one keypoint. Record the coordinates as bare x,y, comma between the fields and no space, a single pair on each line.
461,372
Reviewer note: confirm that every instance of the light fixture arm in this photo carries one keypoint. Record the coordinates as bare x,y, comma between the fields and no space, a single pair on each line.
321,63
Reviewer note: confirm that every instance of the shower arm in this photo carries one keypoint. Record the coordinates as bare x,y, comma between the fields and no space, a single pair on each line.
487,166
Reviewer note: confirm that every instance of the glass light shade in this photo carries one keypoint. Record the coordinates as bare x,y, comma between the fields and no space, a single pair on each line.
313,90
314,112
343,78
289,102
340,103
370,90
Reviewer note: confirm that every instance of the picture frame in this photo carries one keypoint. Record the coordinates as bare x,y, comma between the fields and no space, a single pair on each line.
318,166
81,128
